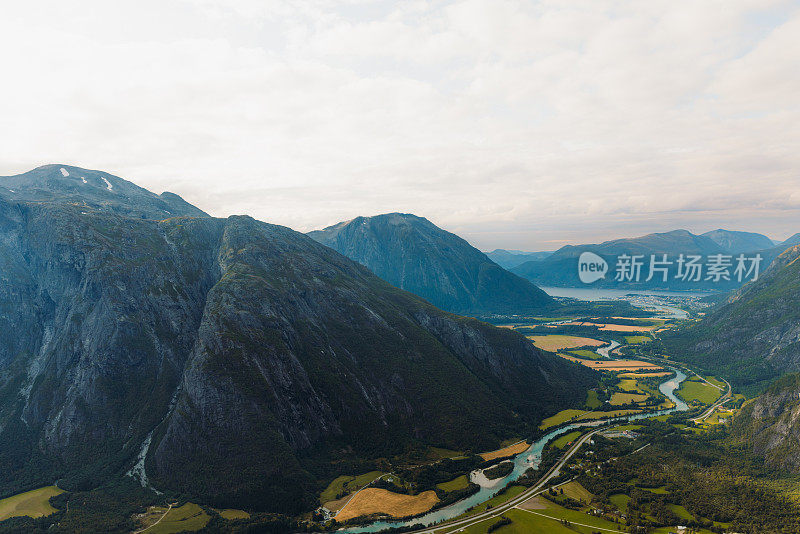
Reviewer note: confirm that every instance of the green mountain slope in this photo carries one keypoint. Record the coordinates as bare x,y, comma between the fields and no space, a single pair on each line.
755,336
412,253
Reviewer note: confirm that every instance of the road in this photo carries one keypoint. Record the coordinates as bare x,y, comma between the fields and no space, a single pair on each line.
459,525
455,526
154,524
353,496
722,400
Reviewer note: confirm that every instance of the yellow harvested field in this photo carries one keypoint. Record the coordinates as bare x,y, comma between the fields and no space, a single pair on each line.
626,328
558,342
34,503
380,501
614,365
511,450
612,327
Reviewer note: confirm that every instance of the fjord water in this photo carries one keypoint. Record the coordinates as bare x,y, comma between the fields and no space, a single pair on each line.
521,464
655,299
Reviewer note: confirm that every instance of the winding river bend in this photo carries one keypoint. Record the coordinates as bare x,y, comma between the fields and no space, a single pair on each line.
522,462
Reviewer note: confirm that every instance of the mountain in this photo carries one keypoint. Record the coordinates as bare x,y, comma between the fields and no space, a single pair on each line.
794,240
412,253
739,242
229,360
561,268
508,259
771,424
93,190
755,336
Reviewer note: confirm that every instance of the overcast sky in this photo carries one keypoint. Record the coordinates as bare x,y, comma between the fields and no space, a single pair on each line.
516,124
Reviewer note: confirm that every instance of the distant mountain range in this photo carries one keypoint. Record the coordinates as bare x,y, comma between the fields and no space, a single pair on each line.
561,269
734,242
234,361
509,259
755,336
412,253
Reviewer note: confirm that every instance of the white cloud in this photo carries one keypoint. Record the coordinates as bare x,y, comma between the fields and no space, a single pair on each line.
515,123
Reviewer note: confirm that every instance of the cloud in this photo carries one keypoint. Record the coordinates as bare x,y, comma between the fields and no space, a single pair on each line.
515,123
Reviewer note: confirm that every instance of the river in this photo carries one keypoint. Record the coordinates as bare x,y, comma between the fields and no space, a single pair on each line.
522,462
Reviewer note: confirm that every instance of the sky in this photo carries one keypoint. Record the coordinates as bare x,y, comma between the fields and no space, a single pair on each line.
516,124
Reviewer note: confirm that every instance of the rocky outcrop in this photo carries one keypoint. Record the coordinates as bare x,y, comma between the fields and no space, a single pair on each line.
771,424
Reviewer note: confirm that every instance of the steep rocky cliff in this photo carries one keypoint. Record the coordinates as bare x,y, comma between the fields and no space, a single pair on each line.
771,424
236,358
412,253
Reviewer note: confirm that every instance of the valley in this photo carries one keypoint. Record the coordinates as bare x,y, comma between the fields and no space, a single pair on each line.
652,396
176,372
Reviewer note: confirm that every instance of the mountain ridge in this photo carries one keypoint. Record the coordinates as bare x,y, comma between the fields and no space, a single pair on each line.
561,268
412,253
94,190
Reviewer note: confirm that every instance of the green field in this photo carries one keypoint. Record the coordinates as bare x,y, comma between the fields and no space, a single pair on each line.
661,490
634,340
522,523
562,441
717,382
573,516
626,427
561,417
620,500
231,514
347,484
574,490
580,415
592,401
681,512
187,518
694,389
545,521
456,484
618,399
438,453
506,495
603,415
34,503
586,354
630,385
